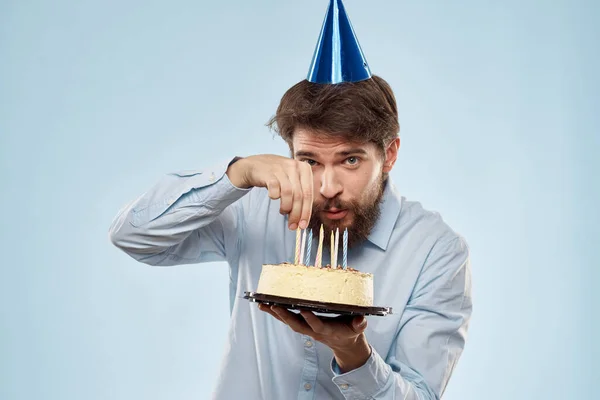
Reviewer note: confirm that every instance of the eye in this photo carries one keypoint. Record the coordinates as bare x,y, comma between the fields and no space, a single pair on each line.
312,163
352,160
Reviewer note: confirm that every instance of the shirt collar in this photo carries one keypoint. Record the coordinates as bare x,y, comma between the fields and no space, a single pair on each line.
390,209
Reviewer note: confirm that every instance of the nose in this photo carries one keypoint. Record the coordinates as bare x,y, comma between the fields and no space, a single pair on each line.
330,185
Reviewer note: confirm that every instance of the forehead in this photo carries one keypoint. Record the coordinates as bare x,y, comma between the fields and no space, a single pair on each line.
307,141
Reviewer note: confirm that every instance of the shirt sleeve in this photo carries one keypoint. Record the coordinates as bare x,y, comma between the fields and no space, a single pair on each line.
431,337
187,217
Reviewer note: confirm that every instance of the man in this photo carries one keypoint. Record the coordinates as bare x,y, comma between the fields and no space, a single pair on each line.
342,131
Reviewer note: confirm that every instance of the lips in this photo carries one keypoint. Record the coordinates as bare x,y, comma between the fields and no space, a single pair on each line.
335,213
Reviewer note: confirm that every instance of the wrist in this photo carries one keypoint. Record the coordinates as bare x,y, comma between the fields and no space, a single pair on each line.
353,355
236,173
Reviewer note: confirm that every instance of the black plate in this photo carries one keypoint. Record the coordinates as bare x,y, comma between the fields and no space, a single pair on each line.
316,306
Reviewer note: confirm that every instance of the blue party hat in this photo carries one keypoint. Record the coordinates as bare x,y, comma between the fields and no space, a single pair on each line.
338,56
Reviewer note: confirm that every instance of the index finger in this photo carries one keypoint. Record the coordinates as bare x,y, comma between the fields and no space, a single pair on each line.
267,309
315,322
306,181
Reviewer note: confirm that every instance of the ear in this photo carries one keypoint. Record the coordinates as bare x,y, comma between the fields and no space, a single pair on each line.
391,155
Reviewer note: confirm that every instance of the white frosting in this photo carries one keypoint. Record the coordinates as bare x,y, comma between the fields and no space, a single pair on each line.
327,285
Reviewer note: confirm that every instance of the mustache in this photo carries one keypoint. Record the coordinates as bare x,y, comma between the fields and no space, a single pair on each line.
331,204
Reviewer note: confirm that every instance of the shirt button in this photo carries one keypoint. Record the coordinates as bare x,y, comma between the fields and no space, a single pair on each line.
344,386
307,386
212,177
308,343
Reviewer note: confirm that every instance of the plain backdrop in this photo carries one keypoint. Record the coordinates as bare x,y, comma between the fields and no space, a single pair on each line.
499,126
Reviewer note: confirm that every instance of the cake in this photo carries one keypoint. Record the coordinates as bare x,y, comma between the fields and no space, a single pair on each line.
324,284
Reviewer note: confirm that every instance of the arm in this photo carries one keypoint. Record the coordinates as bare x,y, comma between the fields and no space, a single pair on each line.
431,337
194,216
187,217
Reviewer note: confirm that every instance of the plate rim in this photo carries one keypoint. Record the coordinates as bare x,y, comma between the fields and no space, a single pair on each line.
327,308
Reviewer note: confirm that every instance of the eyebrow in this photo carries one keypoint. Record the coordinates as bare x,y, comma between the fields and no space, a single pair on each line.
350,152
345,153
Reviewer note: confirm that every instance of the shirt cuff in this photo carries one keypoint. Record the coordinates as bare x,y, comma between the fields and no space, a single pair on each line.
171,193
364,382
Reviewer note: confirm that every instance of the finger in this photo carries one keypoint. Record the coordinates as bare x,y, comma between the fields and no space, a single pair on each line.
307,183
274,187
293,173
359,324
315,323
293,321
286,193
267,309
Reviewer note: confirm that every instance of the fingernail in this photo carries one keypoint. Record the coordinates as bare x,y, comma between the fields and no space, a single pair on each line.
293,227
303,224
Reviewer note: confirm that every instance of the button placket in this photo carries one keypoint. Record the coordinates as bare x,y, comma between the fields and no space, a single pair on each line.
310,369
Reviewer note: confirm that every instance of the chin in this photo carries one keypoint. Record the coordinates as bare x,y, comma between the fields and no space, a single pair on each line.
342,224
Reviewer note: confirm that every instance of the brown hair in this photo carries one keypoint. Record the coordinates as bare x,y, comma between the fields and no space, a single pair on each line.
362,111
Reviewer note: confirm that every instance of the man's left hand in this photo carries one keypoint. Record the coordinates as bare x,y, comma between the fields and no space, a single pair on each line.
344,336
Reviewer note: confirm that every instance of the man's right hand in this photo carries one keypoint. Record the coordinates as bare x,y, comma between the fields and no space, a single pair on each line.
286,179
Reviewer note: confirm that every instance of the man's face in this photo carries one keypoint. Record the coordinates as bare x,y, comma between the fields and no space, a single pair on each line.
348,181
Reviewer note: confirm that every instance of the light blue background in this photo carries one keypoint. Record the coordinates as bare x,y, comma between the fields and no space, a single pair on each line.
499,113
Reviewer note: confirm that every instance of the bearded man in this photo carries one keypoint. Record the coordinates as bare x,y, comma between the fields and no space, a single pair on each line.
343,138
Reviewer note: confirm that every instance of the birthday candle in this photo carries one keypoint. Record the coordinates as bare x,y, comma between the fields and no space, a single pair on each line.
319,249
302,246
309,247
332,249
297,253
345,249
336,248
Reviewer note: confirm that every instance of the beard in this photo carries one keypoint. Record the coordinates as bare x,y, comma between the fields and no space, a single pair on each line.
365,213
